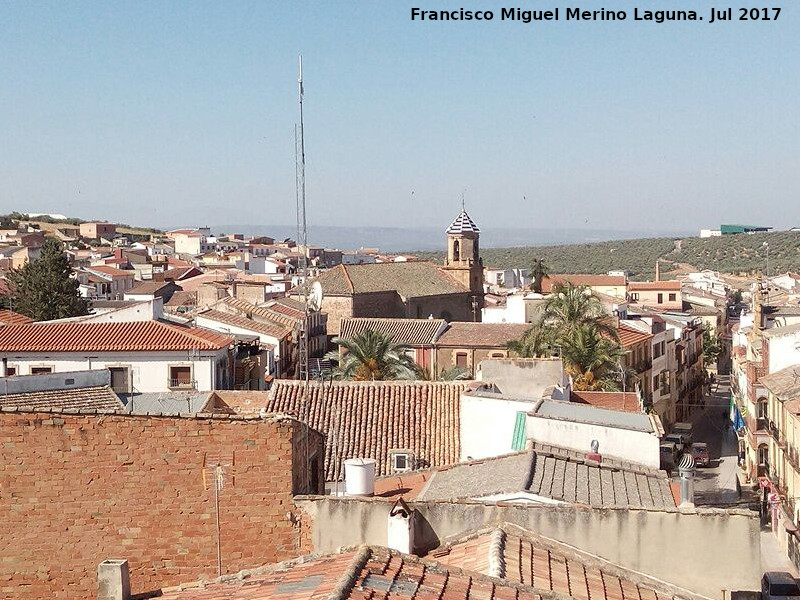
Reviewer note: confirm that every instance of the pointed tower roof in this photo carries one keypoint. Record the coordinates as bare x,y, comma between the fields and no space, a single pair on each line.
463,224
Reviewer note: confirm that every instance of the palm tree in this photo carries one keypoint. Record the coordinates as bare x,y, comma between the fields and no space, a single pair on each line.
537,342
592,358
455,373
371,356
569,306
539,272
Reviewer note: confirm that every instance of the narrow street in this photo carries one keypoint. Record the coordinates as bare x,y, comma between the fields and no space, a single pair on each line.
716,484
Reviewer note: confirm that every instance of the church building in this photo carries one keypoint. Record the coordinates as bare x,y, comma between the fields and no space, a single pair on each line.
411,290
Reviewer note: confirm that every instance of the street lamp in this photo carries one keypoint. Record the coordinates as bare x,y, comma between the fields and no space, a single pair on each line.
766,245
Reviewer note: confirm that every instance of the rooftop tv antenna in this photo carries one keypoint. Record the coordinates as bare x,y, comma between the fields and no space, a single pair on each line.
302,230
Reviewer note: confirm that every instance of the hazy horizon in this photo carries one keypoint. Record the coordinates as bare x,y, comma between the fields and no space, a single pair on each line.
157,112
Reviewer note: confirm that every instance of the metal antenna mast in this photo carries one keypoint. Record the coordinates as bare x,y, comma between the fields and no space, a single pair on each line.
302,231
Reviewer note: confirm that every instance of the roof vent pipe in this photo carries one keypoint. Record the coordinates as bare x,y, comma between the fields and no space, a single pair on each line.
686,472
595,455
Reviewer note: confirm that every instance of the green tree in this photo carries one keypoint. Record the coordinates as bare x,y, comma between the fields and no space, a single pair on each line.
537,342
455,373
372,356
44,289
539,272
592,358
570,306
711,348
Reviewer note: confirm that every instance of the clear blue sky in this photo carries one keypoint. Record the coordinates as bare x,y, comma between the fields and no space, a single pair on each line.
168,113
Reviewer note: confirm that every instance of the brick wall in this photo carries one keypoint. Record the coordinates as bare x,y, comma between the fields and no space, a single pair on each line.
454,307
379,305
337,308
78,489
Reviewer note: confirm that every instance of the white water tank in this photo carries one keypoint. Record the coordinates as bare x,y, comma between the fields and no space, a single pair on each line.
359,476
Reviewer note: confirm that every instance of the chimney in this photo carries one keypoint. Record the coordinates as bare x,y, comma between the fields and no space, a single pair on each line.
658,270
686,472
595,455
400,531
113,580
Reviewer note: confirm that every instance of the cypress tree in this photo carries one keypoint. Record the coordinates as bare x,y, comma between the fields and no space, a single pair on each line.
44,289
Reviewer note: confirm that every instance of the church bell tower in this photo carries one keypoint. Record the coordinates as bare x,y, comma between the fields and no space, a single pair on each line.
463,260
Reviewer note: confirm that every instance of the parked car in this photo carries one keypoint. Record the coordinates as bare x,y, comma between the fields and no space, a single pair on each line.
700,454
779,585
669,455
684,428
679,439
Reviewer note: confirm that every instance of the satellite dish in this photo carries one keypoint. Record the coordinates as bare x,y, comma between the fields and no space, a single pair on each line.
315,296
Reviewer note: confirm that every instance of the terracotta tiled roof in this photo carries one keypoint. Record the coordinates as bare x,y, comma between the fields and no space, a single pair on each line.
112,272
630,337
413,332
784,384
92,398
369,419
409,279
519,556
289,307
481,335
179,273
627,401
144,336
9,317
258,313
368,573
275,330
582,279
180,298
671,285
262,313
148,288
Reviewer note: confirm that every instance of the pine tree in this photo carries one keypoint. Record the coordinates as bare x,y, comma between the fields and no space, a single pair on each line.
43,289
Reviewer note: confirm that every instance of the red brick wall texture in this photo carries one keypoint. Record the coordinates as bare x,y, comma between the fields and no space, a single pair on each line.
79,489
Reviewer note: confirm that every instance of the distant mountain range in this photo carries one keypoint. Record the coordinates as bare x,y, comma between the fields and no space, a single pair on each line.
397,239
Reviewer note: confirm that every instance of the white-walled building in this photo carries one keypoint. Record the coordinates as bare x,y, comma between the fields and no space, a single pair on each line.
634,437
507,278
708,281
105,282
522,307
144,356
275,338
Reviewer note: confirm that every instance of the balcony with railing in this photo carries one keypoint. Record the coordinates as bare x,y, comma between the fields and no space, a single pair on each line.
777,434
182,384
793,458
